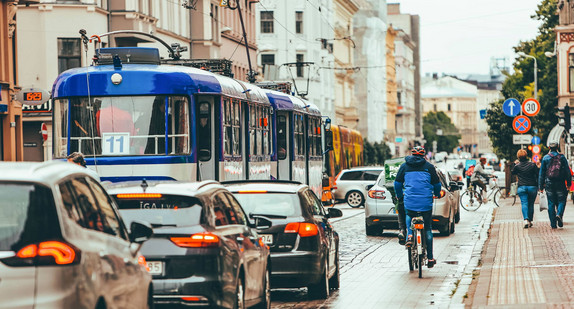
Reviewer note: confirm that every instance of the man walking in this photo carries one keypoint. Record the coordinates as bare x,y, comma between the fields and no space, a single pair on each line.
556,179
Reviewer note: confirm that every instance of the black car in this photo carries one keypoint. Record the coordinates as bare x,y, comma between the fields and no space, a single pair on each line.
204,251
304,245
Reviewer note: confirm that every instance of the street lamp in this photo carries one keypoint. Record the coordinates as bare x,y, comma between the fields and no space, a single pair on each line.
522,54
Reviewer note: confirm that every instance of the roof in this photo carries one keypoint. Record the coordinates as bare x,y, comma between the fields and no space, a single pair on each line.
39,172
282,101
447,86
164,187
271,186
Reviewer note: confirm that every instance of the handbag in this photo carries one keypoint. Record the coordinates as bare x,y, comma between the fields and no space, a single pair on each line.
543,201
513,189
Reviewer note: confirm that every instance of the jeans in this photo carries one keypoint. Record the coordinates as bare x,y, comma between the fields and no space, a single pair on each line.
427,218
556,199
527,196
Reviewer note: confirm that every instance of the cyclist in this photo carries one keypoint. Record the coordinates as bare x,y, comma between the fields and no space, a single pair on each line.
477,176
420,182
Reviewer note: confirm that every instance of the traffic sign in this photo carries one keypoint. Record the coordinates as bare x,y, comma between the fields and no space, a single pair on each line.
511,107
536,140
536,158
521,139
44,131
482,113
530,107
535,149
521,124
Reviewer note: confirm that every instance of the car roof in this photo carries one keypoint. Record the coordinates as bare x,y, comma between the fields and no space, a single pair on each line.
164,187
39,172
268,185
364,168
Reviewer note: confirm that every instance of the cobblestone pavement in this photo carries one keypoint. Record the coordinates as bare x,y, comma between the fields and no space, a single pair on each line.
374,270
526,268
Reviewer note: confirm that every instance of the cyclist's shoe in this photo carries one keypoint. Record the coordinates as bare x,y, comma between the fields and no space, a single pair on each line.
431,263
409,242
401,237
529,223
526,224
559,221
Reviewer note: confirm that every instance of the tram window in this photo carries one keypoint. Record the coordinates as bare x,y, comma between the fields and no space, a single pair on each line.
236,128
180,125
204,131
265,127
259,129
252,129
61,127
281,137
310,136
228,135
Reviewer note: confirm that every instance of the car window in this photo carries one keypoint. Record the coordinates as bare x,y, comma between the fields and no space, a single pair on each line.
94,219
271,203
316,202
70,204
442,178
310,201
163,210
241,219
371,175
218,215
230,212
351,175
106,208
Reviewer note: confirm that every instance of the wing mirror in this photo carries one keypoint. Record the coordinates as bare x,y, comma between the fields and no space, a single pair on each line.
334,213
140,232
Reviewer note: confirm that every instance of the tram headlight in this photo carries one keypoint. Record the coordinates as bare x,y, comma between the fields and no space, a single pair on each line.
116,78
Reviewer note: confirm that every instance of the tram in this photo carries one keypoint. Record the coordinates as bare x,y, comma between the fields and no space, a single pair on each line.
135,116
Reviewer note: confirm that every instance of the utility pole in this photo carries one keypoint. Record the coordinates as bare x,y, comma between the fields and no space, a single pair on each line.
251,74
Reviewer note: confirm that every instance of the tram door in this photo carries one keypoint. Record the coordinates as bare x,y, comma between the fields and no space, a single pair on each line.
206,138
284,155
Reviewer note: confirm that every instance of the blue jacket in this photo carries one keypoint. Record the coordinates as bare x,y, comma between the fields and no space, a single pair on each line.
419,179
566,178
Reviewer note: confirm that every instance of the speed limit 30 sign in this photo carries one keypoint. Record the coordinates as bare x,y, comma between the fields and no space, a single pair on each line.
530,107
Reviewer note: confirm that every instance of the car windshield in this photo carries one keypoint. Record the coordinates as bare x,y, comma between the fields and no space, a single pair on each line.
164,210
27,215
272,204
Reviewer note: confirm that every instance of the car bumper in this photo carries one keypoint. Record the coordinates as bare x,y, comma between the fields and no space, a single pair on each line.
197,290
295,269
389,221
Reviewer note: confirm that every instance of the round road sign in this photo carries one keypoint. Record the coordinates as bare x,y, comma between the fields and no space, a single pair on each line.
536,158
521,124
536,149
511,107
530,107
44,131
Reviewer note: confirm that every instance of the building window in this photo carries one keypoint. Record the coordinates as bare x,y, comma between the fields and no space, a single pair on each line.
267,22
215,33
448,107
300,58
69,55
435,107
299,22
267,60
571,71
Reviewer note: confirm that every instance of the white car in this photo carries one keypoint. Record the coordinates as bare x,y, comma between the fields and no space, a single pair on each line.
350,184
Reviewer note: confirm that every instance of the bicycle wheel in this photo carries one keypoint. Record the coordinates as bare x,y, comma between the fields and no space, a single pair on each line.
411,262
497,196
471,200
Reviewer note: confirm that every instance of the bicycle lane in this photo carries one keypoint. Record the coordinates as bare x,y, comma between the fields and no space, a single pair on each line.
526,267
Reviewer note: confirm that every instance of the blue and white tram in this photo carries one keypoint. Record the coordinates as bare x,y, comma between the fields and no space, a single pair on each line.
138,118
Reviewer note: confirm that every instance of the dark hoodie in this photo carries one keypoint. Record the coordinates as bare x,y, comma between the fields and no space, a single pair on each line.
419,179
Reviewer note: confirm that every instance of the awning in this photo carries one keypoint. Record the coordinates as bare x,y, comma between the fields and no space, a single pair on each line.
555,135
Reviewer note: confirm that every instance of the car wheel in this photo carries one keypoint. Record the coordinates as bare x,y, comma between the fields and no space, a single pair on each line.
266,299
239,295
445,229
373,230
320,290
355,199
457,216
335,281
452,226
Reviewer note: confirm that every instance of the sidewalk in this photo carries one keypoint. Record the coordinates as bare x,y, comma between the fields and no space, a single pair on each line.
526,268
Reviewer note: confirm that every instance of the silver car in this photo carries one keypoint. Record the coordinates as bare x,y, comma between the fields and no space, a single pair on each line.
63,243
350,184
380,211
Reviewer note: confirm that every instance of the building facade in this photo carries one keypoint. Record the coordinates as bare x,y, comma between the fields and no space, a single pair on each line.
290,32
392,97
369,33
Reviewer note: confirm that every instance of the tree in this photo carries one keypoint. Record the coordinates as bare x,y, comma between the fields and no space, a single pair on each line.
375,153
448,135
520,85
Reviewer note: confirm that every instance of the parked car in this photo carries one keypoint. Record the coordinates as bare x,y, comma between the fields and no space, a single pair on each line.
304,245
350,184
380,211
63,243
204,251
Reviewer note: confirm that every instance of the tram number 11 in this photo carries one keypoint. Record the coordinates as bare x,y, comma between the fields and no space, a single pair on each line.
115,143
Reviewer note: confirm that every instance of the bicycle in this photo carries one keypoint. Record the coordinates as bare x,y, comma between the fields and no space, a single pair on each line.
418,250
471,199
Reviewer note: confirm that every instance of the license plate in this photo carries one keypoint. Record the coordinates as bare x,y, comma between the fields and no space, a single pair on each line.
155,268
267,238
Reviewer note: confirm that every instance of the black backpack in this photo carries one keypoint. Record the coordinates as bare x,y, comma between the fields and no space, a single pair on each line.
554,170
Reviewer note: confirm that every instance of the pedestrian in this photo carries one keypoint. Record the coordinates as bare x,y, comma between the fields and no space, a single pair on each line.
78,158
527,173
555,178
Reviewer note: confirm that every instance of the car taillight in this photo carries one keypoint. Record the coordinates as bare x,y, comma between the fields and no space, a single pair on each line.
377,194
200,240
304,229
45,253
142,262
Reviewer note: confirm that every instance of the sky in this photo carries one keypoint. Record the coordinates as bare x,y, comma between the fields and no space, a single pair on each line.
461,36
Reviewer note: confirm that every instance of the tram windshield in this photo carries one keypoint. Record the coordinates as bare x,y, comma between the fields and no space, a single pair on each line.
122,126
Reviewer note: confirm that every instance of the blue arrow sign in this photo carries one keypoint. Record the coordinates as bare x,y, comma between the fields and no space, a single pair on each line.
511,107
482,113
536,140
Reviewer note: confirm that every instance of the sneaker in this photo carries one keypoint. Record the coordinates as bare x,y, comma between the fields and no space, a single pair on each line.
431,263
526,224
559,221
409,242
529,223
401,237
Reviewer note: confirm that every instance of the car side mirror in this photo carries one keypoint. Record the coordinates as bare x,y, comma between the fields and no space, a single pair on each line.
140,231
262,223
334,213
460,184
368,187
204,155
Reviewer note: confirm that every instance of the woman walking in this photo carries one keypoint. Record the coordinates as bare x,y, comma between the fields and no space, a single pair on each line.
527,173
